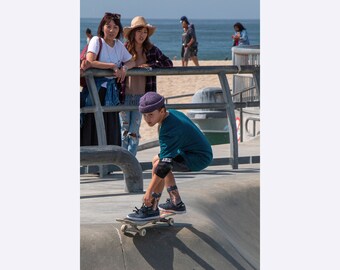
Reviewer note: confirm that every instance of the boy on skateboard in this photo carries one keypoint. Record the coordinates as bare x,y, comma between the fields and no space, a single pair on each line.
183,148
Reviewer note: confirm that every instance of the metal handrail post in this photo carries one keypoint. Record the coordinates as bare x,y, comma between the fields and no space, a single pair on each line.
241,118
231,119
256,77
98,114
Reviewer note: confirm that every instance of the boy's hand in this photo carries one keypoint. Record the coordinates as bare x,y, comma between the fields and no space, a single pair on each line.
147,198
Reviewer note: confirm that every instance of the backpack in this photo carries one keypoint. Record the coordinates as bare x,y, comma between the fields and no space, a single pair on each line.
83,60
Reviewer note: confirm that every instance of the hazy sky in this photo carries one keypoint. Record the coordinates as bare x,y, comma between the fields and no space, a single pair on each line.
172,9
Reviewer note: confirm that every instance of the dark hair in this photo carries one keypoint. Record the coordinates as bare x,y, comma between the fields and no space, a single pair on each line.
240,26
130,44
184,19
88,31
108,17
163,107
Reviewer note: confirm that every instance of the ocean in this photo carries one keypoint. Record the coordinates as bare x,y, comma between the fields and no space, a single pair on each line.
213,36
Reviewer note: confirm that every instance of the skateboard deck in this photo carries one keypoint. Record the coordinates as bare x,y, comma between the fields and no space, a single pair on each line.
137,226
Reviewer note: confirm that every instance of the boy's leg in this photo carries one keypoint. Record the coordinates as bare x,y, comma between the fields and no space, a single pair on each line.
169,179
155,200
172,189
174,204
159,188
157,192
149,211
170,183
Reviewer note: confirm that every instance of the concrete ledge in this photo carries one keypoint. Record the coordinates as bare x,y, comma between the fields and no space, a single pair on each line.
112,154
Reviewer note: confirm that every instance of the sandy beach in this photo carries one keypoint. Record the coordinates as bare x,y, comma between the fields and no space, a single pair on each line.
169,86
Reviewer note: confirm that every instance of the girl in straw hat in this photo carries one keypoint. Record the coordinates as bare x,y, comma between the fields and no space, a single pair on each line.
145,55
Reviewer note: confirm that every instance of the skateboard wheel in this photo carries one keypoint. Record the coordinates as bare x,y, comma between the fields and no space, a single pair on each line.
123,228
171,222
142,232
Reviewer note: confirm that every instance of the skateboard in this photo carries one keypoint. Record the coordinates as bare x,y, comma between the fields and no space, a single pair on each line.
137,226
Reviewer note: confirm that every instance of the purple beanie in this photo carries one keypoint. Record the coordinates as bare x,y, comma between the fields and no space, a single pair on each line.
150,102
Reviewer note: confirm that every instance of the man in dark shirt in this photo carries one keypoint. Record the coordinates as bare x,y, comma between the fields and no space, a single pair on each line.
189,43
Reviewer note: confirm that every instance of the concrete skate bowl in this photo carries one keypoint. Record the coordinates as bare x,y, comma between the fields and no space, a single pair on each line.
222,233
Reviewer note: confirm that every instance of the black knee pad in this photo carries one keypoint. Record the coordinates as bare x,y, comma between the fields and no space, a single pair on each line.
164,167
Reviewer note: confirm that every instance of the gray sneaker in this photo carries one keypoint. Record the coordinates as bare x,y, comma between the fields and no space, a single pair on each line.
143,213
168,206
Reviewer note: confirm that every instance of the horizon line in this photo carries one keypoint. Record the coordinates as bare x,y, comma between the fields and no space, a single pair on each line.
178,19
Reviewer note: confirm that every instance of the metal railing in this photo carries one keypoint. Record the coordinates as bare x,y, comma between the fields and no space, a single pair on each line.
113,154
246,97
254,120
220,71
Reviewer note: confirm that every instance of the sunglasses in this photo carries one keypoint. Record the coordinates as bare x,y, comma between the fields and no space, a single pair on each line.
113,15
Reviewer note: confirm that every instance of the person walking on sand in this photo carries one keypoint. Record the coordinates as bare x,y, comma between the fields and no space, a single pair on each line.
189,43
145,55
183,148
240,36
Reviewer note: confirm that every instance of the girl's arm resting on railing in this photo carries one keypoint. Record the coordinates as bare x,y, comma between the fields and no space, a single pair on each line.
93,63
130,64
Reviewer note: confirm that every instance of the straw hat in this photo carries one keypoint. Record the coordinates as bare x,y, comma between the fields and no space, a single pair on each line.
139,21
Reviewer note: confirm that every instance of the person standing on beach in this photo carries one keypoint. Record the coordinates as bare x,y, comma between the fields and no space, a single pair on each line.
145,55
183,148
88,35
240,36
113,56
189,43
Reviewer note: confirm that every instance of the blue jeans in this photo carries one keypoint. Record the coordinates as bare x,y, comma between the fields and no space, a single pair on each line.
130,122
